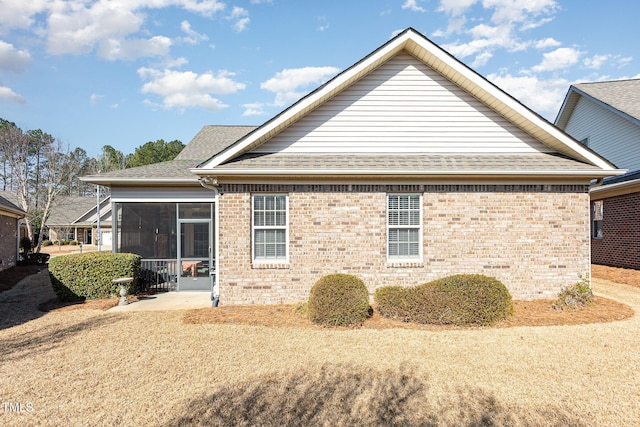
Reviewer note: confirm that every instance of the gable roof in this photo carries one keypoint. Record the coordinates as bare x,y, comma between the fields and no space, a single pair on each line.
621,97
67,209
210,140
8,208
238,155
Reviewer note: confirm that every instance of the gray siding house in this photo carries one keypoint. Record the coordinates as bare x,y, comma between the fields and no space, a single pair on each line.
406,167
605,116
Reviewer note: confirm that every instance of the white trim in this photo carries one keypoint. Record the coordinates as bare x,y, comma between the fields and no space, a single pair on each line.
285,259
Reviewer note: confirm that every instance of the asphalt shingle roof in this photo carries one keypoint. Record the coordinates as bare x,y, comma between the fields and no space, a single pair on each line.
623,95
67,209
209,141
8,205
426,163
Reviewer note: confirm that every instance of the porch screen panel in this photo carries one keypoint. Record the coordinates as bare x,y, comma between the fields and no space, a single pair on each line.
148,229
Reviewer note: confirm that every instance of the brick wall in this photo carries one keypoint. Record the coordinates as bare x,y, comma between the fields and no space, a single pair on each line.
536,242
620,245
8,242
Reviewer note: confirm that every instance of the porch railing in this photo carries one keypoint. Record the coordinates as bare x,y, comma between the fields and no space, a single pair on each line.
158,275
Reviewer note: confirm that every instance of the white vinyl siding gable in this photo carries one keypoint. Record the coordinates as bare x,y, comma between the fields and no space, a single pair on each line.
404,227
610,135
403,107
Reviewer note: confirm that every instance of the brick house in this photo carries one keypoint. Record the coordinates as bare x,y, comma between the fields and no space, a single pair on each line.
406,167
605,116
10,215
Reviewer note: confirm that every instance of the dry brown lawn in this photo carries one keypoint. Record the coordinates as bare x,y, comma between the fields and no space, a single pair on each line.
75,366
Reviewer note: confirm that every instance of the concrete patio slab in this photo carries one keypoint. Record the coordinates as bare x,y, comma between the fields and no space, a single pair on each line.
168,301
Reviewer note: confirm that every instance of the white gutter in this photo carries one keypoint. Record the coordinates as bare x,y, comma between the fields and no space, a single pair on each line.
212,184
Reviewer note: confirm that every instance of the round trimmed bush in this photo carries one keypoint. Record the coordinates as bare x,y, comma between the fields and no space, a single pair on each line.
339,300
469,299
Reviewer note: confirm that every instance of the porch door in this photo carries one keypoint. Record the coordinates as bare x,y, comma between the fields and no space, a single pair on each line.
195,261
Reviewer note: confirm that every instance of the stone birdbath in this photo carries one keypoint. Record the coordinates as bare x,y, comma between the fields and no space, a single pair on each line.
123,282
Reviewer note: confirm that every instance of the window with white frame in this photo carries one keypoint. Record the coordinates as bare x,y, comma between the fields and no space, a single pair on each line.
404,226
270,240
598,215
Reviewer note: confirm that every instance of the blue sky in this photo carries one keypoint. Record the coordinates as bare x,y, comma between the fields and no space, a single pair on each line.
124,72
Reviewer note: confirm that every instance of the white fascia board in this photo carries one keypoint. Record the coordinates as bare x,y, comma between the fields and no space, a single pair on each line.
152,181
619,188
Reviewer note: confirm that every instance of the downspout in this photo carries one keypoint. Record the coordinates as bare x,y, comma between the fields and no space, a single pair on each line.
211,183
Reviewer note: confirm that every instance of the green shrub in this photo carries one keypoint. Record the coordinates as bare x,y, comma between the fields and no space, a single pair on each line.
391,302
91,275
64,242
46,242
339,300
463,299
73,243
575,297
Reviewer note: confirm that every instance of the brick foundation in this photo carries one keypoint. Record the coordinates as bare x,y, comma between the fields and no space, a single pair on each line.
535,239
620,244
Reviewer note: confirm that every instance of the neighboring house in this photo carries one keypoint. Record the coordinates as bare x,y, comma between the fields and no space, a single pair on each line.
10,216
406,167
75,218
605,116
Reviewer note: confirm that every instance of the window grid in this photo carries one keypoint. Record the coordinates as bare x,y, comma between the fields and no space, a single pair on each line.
269,227
404,226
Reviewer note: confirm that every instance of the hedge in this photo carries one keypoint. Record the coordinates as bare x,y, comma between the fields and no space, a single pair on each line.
463,299
91,275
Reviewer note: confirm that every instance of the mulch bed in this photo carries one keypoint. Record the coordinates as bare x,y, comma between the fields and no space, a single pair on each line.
526,313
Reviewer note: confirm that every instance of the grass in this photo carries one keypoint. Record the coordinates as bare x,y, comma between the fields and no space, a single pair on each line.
91,367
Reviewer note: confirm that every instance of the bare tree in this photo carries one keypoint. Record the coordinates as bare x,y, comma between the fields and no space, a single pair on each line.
14,144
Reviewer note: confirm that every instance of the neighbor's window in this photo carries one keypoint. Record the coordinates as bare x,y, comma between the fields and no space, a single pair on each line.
270,227
598,214
404,226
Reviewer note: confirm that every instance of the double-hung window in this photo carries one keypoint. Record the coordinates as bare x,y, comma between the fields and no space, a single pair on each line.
269,219
598,216
404,227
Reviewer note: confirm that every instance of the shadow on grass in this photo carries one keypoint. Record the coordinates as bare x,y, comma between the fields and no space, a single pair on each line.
49,337
339,395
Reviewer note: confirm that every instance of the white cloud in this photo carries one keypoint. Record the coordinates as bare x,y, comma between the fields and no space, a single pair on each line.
596,61
455,7
254,109
289,85
412,5
80,27
193,37
561,58
482,59
546,43
95,97
528,12
188,89
542,96
241,18
132,49
7,94
12,59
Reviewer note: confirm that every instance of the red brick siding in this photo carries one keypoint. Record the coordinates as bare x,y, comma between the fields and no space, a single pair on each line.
535,242
620,245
